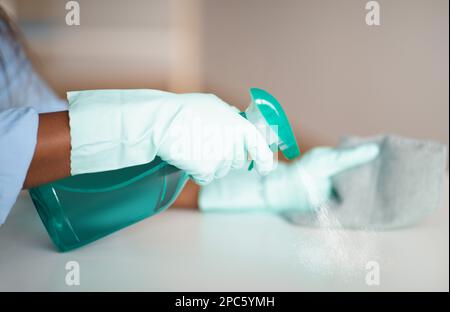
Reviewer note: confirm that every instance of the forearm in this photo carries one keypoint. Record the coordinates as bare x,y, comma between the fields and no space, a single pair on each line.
51,159
188,197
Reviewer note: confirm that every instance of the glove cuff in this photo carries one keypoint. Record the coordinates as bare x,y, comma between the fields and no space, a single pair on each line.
112,129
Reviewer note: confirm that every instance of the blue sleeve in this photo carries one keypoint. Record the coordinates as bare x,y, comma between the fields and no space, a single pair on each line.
18,131
20,85
23,95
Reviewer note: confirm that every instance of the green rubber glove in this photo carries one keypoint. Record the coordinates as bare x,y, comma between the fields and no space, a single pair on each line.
303,185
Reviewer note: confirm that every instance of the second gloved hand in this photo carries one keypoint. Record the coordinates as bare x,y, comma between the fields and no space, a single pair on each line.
198,133
303,185
313,172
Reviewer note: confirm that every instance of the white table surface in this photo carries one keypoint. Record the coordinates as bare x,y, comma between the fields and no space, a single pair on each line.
184,250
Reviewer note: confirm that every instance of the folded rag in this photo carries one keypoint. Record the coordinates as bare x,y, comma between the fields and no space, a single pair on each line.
399,188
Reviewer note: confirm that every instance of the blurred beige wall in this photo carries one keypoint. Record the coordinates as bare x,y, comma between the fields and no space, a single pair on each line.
334,74
118,44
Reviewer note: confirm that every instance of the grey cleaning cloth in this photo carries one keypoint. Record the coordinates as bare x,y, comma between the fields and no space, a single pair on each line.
399,188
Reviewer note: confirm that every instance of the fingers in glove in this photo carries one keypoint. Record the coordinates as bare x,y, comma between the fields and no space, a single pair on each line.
347,158
223,170
258,150
203,179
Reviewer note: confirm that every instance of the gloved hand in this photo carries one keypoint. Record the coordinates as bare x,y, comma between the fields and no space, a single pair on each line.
303,185
198,133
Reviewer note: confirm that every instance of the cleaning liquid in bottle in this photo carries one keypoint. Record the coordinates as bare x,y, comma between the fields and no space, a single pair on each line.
83,208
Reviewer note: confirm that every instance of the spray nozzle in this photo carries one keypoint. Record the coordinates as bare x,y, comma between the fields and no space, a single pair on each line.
266,113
